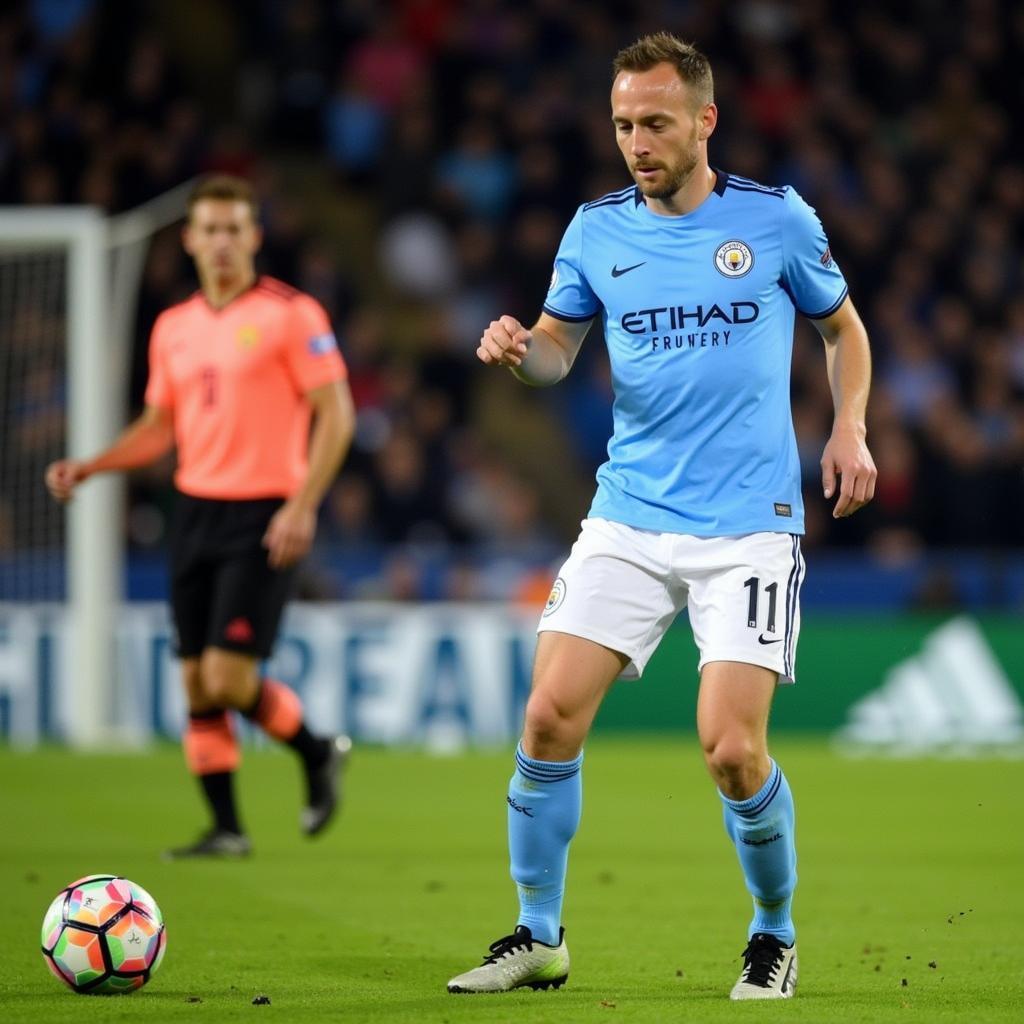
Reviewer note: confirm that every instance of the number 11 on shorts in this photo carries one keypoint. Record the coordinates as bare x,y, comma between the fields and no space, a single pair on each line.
753,585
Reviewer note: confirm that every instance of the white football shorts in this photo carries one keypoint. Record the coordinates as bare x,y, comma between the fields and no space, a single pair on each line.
622,587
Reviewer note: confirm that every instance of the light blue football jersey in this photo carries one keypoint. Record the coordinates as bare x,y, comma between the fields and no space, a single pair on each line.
698,315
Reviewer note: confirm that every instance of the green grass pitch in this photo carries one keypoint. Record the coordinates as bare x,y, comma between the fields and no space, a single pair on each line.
910,905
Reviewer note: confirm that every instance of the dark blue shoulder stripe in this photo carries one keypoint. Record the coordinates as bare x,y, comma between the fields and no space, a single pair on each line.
568,317
608,202
611,198
611,195
759,191
750,181
755,184
831,309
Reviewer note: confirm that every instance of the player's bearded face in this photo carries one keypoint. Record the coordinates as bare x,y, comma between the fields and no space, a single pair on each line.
661,176
659,125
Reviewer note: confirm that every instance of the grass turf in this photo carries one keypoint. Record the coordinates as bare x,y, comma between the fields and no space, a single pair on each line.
909,906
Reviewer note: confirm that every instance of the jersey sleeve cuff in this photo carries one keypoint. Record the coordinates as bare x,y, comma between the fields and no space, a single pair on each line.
831,309
568,317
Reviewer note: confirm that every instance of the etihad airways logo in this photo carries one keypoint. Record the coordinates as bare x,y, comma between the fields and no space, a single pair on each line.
681,318
669,328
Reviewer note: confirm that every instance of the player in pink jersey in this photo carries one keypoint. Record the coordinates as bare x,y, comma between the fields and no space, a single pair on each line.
237,373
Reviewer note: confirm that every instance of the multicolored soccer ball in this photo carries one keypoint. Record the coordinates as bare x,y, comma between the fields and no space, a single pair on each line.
103,934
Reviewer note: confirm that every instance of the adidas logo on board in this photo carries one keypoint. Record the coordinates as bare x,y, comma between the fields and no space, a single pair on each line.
952,698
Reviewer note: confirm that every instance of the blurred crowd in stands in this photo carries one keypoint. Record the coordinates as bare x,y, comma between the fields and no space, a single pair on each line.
418,161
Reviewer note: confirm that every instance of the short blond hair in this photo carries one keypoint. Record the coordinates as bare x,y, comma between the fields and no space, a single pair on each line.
224,186
664,48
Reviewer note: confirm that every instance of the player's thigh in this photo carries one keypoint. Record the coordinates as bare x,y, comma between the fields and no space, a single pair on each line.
615,591
732,722
744,602
733,705
571,676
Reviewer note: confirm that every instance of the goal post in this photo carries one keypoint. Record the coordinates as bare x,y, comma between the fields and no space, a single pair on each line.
93,547
78,269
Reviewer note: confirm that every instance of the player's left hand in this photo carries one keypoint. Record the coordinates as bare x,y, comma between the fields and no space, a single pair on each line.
289,535
846,456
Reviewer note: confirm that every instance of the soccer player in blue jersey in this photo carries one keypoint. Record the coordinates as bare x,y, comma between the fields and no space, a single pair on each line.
697,276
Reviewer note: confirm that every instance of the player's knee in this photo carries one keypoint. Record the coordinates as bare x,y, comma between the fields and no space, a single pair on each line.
220,681
731,758
195,693
216,690
548,726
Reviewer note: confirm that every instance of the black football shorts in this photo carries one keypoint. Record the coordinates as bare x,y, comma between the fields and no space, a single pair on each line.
223,591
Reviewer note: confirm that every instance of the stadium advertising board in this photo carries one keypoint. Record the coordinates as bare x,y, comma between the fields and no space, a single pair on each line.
444,676
439,675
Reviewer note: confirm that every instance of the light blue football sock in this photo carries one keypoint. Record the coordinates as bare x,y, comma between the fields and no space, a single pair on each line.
544,803
763,830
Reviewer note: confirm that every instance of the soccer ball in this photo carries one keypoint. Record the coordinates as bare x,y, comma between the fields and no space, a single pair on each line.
103,934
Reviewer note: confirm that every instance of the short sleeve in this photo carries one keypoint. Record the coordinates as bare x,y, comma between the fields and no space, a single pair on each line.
810,274
159,392
570,296
311,350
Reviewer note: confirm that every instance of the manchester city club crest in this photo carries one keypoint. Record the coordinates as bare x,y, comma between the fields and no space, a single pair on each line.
734,258
556,597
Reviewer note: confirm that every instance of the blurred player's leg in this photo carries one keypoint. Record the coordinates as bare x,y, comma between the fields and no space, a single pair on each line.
212,755
571,677
732,718
211,750
277,710
247,602
232,679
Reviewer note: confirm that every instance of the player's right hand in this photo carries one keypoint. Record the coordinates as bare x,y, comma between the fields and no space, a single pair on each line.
63,476
504,343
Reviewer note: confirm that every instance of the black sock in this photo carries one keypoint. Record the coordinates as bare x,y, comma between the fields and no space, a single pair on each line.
312,749
219,791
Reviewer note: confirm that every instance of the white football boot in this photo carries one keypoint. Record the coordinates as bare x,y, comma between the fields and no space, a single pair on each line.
517,961
769,970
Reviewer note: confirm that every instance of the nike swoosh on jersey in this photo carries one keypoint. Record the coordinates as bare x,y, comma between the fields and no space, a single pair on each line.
625,270
761,640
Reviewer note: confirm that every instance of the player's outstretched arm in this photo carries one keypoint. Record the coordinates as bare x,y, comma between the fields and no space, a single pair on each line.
540,356
846,455
143,441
